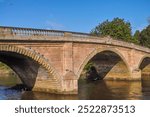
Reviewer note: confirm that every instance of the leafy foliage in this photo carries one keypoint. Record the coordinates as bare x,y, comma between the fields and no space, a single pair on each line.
88,66
144,37
116,28
136,37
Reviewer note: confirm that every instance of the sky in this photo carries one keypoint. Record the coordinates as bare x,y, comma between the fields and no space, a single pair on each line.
72,15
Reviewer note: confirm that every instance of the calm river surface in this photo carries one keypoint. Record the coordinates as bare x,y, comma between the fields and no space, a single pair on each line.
95,90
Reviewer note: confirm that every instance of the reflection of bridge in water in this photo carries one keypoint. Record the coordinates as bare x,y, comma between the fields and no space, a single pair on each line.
52,61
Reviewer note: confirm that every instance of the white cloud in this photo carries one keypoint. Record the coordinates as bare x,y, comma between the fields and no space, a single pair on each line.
54,25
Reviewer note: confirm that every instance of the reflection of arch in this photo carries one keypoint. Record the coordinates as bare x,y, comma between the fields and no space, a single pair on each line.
99,50
34,56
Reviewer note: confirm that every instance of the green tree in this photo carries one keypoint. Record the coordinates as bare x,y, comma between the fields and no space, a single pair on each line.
136,37
116,28
88,66
144,37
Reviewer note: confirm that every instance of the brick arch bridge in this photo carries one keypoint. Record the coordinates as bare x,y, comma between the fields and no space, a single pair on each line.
53,61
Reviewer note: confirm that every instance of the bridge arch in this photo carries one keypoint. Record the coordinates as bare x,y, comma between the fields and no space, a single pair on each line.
31,56
144,66
142,59
100,50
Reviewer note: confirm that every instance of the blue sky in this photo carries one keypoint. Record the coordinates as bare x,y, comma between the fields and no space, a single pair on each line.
72,15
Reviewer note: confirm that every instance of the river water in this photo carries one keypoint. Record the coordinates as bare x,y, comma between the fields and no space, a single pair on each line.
88,90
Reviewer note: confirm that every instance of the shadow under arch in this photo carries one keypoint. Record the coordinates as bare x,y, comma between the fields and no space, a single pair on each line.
26,62
144,66
99,50
142,59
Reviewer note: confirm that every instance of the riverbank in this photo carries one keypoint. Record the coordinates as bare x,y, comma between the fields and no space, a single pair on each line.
5,70
7,76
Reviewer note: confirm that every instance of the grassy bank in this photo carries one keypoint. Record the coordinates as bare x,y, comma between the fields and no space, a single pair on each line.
5,70
7,76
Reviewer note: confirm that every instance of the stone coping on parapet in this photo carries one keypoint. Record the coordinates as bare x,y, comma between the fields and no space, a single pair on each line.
15,34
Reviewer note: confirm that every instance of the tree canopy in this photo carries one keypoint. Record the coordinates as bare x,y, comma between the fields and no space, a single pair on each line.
136,37
144,37
121,29
117,28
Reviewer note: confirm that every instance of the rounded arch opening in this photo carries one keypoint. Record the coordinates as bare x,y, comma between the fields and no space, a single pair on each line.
30,66
25,67
144,66
106,64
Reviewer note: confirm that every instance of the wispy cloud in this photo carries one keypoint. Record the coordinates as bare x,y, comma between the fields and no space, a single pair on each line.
54,25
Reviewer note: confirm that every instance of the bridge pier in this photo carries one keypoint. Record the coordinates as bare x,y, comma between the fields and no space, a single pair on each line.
44,83
70,83
136,74
70,86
